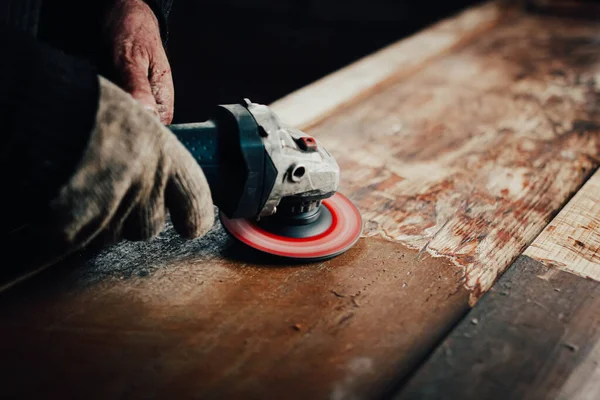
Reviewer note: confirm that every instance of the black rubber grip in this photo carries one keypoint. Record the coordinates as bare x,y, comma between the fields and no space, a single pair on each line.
230,151
202,141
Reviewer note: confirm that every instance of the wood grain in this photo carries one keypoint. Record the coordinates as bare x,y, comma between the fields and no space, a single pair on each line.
309,105
182,319
535,335
456,168
471,157
571,241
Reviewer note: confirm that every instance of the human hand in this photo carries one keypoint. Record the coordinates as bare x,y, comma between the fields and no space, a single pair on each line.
133,170
137,56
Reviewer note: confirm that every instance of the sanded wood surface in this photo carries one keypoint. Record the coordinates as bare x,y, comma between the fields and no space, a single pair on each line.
571,241
470,158
456,168
183,320
534,336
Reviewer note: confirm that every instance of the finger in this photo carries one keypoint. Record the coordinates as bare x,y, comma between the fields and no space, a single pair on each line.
78,214
147,220
113,233
133,70
161,84
188,195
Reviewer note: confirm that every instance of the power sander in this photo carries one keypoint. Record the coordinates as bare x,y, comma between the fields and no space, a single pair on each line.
275,186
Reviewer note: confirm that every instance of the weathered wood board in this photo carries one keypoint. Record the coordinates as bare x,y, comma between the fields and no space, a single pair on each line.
536,334
194,323
470,158
456,166
572,240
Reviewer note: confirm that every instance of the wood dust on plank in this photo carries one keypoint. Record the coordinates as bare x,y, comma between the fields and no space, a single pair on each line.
471,157
215,327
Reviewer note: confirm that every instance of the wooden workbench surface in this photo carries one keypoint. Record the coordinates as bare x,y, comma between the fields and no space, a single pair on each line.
459,145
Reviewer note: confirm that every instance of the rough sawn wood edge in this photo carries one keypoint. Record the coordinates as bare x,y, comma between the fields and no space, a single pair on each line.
309,105
571,242
537,331
534,335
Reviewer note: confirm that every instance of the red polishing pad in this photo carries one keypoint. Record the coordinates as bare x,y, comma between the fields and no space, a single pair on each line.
345,229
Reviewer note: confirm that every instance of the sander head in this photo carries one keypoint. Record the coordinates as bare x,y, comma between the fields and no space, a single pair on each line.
306,229
276,186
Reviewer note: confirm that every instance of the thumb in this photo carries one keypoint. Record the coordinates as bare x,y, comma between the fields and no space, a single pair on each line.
134,77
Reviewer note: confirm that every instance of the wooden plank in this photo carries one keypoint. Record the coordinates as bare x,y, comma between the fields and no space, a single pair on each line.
471,157
535,335
572,240
309,105
184,319
456,170
538,331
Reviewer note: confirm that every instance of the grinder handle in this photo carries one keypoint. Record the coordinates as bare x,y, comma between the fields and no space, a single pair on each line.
201,140
229,149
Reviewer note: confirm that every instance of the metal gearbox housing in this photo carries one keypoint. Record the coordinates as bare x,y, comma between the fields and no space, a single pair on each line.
306,172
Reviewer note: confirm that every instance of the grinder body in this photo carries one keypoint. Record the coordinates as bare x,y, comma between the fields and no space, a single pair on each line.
275,186
230,151
254,163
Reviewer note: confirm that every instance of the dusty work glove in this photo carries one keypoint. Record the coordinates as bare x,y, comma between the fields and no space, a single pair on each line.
138,59
132,171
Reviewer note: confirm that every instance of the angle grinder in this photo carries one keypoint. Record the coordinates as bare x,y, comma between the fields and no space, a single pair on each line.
275,186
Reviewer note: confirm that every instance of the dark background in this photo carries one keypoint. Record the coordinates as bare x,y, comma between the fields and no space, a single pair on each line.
224,50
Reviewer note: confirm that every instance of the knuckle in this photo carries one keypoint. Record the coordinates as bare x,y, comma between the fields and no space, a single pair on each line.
130,52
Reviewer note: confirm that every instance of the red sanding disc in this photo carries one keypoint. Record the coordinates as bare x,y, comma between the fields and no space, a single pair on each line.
344,231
